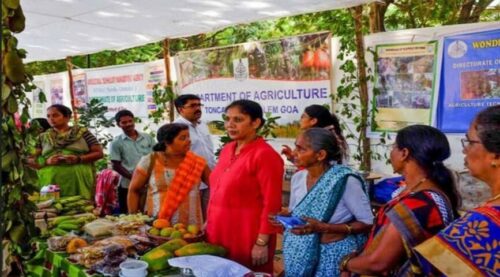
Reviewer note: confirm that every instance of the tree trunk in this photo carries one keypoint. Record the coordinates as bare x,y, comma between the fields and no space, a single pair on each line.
363,89
377,15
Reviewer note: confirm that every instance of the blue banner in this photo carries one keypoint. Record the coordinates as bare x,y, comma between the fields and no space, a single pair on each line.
470,78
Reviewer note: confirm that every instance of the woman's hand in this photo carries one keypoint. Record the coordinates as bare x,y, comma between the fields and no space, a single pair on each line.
259,255
312,226
71,159
55,159
287,151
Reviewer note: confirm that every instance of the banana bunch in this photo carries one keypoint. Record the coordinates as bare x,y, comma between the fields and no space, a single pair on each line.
72,205
62,225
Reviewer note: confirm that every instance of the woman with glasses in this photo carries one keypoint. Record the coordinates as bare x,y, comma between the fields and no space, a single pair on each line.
470,246
427,205
245,188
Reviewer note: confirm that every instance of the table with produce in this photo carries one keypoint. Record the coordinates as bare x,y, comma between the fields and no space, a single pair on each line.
75,242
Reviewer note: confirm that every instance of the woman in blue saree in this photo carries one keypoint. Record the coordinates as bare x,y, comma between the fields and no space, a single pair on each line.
331,198
470,246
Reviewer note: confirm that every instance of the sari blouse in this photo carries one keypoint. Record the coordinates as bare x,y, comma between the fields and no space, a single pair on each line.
417,216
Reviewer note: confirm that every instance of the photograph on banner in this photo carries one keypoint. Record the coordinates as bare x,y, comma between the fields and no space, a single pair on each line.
118,88
155,74
39,104
405,81
56,91
80,95
470,78
284,76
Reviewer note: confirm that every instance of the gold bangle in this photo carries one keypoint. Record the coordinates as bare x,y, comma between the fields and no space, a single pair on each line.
345,261
349,228
260,242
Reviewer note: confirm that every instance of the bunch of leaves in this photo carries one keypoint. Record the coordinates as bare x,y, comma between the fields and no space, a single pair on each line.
18,181
162,97
92,117
266,131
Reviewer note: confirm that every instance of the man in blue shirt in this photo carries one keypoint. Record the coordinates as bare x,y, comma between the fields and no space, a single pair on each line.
125,152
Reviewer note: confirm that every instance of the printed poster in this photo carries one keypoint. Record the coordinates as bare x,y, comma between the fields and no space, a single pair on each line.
155,74
470,78
56,91
284,76
119,88
405,81
39,109
80,96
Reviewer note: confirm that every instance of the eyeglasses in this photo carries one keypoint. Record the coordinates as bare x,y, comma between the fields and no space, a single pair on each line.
467,142
192,106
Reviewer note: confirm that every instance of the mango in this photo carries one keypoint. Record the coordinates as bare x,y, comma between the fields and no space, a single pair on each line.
166,232
176,235
193,229
14,68
178,226
153,231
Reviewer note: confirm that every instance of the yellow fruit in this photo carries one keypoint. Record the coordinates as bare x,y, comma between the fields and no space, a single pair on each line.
154,231
14,67
188,236
182,230
166,232
176,235
193,229
179,226
161,223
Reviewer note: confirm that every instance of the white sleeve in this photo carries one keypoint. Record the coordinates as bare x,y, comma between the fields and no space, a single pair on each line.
356,201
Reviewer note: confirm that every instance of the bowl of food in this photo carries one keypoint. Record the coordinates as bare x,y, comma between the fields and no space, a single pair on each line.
133,268
163,233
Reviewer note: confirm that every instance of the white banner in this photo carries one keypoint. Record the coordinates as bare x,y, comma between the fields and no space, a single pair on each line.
119,88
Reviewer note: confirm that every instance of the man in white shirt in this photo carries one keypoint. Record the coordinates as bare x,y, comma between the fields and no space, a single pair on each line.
189,108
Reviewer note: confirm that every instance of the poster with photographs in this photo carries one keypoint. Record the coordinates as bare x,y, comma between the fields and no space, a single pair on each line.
56,91
39,100
405,83
80,96
470,78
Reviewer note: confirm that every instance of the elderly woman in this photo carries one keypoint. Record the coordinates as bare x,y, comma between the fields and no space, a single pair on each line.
172,175
332,200
245,187
470,246
427,205
65,155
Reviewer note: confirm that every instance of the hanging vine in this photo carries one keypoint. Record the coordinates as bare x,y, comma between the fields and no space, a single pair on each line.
18,181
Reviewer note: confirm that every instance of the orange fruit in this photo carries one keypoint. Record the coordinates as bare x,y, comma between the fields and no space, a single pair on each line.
161,223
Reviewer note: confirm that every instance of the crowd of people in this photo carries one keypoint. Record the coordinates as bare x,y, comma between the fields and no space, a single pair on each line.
237,197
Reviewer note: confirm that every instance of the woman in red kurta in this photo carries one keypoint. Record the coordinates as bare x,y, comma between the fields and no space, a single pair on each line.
245,187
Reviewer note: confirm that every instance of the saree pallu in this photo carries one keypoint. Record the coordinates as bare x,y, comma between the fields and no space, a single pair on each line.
302,253
470,246
417,217
74,179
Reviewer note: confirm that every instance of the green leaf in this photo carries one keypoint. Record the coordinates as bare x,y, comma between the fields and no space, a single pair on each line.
12,106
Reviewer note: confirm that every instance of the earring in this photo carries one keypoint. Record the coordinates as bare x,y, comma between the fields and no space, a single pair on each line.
494,164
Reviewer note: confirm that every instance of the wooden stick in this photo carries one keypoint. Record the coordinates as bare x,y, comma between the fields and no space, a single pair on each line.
69,66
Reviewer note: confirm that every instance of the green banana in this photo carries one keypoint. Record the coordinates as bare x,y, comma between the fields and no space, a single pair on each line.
62,218
58,232
69,199
69,226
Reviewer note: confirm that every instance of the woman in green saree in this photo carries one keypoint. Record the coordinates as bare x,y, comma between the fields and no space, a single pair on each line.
65,155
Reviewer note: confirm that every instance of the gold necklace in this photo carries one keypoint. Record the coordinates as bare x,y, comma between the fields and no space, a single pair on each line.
417,184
